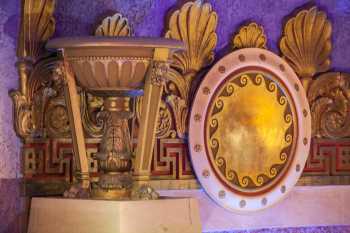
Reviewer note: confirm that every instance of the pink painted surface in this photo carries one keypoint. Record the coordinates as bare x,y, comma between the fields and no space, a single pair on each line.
327,229
305,206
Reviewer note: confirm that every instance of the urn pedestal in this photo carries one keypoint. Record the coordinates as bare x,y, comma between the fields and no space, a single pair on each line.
119,70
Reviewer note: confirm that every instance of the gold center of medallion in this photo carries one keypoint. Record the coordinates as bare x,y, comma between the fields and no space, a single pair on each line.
250,131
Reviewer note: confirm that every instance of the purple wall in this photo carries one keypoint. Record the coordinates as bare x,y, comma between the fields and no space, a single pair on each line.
147,17
10,210
9,144
80,17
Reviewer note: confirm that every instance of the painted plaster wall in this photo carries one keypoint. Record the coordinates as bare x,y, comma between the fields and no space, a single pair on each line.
10,202
9,143
80,17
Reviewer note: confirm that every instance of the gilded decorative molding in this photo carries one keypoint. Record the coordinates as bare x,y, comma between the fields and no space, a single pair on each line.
195,24
37,26
165,123
40,111
160,69
55,121
165,120
330,105
250,36
306,43
115,25
91,107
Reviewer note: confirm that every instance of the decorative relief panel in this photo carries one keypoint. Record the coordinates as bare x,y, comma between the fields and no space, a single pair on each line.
306,45
171,160
36,28
329,100
40,110
52,159
329,158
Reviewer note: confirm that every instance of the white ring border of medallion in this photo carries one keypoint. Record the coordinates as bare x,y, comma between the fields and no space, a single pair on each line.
212,185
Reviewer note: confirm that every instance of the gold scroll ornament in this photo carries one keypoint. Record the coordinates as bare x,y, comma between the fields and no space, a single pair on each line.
37,26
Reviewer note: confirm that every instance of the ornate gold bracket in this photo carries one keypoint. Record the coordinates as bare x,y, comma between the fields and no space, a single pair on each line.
37,26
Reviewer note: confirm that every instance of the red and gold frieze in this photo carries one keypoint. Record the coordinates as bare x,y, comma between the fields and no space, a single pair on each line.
328,158
52,160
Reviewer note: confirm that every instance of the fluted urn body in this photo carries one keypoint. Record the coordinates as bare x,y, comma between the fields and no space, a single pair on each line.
119,70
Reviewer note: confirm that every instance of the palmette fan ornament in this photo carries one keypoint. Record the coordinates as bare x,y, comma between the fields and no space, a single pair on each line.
306,43
250,36
116,25
36,29
195,25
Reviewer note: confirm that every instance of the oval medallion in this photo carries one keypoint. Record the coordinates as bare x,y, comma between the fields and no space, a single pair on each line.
251,131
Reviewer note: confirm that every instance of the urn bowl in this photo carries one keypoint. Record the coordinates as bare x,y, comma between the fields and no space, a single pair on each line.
111,65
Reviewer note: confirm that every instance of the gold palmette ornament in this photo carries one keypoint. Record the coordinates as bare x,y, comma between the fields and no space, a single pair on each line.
306,44
194,24
250,36
115,25
117,70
